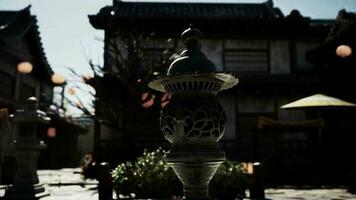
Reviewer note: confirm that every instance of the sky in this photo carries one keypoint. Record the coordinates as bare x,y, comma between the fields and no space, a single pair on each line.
69,39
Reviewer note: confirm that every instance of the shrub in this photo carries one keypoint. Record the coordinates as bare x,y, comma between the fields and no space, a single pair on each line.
151,177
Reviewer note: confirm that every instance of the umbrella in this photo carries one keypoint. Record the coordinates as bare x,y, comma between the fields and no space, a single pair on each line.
318,101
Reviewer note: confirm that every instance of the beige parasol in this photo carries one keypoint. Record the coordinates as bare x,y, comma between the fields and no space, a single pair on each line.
318,101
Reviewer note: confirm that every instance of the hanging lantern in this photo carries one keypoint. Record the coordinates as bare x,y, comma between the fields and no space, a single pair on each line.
343,51
24,67
148,103
147,100
164,100
51,132
144,96
58,79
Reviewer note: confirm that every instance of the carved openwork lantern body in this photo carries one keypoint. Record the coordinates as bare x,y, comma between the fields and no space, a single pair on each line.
28,146
193,121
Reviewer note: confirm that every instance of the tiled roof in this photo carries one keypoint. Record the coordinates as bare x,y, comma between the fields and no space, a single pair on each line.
127,12
213,19
14,24
17,24
193,10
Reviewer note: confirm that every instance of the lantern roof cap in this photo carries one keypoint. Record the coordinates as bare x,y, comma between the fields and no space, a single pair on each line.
192,59
193,64
31,113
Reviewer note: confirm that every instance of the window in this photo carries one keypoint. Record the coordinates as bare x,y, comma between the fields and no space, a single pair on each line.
246,60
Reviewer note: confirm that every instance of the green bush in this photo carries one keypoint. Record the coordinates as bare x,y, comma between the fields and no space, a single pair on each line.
151,177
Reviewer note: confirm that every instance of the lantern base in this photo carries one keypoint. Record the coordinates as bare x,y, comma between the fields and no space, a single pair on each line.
195,170
25,192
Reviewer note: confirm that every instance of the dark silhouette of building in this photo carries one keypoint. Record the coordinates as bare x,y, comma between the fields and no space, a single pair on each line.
267,52
20,42
335,62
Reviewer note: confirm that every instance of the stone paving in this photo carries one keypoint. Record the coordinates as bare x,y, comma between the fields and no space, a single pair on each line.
309,194
67,184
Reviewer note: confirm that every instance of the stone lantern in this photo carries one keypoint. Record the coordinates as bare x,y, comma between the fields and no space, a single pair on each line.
28,146
193,121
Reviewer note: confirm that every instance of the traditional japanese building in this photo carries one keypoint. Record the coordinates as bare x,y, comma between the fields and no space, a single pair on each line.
20,42
25,72
264,48
20,47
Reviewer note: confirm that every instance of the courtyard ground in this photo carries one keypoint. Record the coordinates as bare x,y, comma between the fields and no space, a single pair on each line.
67,184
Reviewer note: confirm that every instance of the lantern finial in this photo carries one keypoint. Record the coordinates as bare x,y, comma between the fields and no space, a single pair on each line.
191,37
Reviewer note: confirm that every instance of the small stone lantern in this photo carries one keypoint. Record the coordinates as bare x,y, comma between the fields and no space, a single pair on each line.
193,121
28,146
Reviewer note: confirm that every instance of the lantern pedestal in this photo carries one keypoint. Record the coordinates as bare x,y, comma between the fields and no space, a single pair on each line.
28,146
195,170
26,179
26,192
